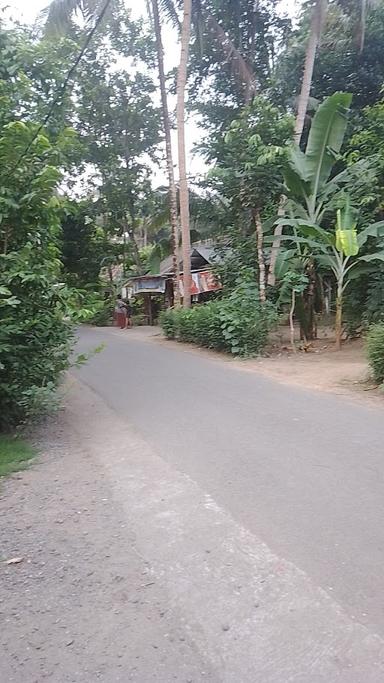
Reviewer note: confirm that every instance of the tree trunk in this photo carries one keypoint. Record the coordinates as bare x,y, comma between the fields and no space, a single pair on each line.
260,254
291,323
135,249
183,182
168,149
276,243
318,15
339,317
308,327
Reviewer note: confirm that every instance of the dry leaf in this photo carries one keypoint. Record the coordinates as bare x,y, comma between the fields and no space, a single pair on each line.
14,560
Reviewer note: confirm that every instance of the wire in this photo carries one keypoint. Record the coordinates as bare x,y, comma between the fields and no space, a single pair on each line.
63,87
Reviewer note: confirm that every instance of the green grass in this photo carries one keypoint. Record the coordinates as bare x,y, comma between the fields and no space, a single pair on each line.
15,454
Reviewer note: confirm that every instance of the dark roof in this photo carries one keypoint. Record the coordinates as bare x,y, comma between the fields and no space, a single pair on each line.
201,256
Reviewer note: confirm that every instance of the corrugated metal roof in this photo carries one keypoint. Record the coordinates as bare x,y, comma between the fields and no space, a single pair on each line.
209,255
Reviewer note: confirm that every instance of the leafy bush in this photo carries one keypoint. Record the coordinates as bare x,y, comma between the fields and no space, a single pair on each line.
245,322
35,339
375,351
168,322
36,313
103,315
238,323
374,307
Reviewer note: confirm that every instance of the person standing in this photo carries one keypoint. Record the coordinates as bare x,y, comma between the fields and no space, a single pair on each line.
120,313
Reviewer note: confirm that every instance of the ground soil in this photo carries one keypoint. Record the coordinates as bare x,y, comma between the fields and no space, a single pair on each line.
321,367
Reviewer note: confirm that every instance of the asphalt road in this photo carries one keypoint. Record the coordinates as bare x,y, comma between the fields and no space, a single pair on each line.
304,471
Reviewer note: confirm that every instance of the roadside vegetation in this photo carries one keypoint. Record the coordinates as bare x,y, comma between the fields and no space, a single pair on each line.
293,121
15,454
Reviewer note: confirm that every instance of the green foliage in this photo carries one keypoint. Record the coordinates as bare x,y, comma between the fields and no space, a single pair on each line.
238,323
375,351
83,244
250,156
15,454
221,76
35,328
246,323
103,314
374,302
292,283
307,173
35,337
339,64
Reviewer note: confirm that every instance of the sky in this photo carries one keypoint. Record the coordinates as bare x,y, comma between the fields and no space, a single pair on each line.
28,10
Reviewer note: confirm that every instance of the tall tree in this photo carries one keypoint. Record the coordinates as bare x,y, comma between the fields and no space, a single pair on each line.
318,16
183,181
168,149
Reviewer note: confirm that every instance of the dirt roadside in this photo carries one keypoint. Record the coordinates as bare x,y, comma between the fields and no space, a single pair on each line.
82,605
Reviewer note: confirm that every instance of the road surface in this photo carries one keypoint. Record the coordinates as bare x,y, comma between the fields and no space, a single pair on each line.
258,509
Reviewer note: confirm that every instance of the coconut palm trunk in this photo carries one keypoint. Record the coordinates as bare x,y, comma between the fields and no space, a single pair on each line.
183,182
168,149
318,16
260,254
317,21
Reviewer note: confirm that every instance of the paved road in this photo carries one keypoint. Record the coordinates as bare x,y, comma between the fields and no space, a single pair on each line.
301,471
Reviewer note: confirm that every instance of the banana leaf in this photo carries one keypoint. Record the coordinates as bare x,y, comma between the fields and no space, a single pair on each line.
379,256
374,230
326,138
346,242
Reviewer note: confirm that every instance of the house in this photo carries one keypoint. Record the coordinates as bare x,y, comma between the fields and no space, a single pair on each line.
204,281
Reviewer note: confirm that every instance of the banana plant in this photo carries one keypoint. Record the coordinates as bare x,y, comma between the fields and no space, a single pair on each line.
337,251
307,174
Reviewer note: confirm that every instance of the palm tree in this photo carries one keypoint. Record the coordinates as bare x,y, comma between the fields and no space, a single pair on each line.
200,17
168,148
183,182
317,21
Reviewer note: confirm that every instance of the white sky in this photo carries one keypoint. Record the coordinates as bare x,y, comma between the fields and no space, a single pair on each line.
26,11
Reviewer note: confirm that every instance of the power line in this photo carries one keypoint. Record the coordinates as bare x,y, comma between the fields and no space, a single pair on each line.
63,87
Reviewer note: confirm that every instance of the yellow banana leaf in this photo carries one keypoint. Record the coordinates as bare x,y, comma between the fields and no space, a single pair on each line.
346,241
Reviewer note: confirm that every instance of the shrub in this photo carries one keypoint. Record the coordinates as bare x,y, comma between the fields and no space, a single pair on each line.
168,322
35,340
245,322
36,330
208,328
375,351
374,308
103,315
238,323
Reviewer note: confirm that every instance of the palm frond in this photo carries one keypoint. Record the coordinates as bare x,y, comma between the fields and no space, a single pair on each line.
240,69
58,15
168,9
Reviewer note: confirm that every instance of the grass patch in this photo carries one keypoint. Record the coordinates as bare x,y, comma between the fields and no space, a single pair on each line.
15,454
